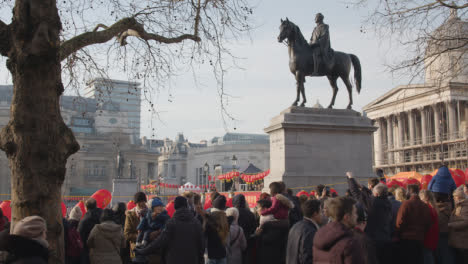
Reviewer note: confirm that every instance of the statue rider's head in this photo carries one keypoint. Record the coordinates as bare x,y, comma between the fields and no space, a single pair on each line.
319,18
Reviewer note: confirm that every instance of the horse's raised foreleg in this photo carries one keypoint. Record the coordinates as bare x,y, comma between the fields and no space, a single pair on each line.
302,90
332,80
350,91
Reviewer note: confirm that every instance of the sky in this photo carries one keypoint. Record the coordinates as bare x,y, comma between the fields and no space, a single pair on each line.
264,86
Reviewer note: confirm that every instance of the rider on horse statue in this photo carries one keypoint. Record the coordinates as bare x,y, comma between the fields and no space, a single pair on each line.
320,44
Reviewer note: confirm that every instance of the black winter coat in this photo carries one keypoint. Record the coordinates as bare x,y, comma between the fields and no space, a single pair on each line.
379,220
272,241
246,218
23,250
300,242
181,241
91,218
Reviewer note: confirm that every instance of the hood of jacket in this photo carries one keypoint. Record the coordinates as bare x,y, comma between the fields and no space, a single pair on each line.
330,234
239,201
183,214
284,200
443,172
109,229
21,247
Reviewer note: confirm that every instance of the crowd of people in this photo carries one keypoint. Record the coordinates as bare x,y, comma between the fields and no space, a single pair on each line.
369,224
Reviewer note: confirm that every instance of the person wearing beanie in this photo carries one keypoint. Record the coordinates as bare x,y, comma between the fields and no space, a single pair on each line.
180,202
181,230
73,242
155,220
27,243
219,204
237,241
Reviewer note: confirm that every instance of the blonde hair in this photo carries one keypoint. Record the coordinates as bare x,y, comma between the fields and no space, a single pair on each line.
220,222
400,194
428,197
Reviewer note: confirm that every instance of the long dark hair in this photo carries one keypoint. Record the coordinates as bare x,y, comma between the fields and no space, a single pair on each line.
119,213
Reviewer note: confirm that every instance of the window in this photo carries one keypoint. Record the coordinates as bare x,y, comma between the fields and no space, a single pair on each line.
151,170
87,130
79,121
173,171
96,170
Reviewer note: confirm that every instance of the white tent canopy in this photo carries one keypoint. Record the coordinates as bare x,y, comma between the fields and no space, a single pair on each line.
189,187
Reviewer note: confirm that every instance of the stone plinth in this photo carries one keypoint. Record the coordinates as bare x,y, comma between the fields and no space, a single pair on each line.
311,146
123,190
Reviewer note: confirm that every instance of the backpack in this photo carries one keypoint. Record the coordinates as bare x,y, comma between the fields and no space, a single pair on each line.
74,243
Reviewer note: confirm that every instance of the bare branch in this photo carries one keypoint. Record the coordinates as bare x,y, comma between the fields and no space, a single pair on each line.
121,29
454,6
5,43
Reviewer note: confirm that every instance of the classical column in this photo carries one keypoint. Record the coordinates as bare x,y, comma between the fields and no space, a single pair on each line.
401,131
411,127
378,143
452,117
390,139
423,126
436,122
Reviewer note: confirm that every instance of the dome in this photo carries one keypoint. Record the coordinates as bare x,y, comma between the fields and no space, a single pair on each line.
447,52
317,105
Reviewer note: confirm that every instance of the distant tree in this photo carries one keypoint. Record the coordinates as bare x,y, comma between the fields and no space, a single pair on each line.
152,39
415,26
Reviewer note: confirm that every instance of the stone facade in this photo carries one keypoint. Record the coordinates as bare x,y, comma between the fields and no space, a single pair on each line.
423,125
102,132
311,146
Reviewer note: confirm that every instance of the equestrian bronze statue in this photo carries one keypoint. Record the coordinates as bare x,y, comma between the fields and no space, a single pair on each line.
318,59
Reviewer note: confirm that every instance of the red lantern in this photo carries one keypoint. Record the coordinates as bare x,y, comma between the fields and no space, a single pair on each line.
333,191
6,208
82,207
64,210
425,180
394,183
458,176
170,208
302,193
411,181
312,193
130,205
103,198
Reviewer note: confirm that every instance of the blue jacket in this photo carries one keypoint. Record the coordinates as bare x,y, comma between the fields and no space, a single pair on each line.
148,223
442,182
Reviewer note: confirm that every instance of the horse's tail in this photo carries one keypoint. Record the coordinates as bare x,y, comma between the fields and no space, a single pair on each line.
357,71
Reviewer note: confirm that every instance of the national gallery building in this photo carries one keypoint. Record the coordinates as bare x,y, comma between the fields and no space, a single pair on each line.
422,125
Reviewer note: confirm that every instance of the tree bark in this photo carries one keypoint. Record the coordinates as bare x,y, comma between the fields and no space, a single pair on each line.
36,140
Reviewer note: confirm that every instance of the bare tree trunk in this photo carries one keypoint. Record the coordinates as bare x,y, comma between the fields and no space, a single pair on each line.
36,140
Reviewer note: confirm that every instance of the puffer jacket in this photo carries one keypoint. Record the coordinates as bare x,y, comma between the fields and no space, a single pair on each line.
458,226
104,243
280,207
442,182
444,212
335,243
237,243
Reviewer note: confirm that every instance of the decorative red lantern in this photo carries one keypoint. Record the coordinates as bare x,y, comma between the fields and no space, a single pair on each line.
312,193
458,176
64,210
170,208
82,207
333,191
103,198
302,193
425,180
394,183
130,205
6,208
411,181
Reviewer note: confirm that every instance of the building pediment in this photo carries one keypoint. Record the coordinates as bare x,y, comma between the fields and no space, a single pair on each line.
400,94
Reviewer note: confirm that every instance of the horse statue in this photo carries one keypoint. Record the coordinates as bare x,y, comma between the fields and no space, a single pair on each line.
301,64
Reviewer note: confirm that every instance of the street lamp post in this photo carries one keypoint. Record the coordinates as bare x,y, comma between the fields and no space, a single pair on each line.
206,169
234,164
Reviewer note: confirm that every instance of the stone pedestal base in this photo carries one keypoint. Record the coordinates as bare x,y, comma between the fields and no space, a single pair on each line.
123,190
311,146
